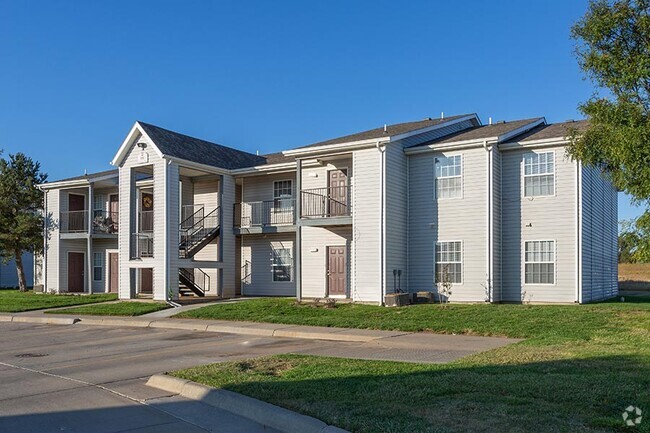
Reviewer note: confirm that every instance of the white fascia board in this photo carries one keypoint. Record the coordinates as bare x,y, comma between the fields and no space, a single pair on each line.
198,166
349,146
76,182
546,142
127,143
265,168
522,129
458,145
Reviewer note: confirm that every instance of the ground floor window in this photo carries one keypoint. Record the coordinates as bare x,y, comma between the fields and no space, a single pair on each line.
98,266
281,263
449,262
539,262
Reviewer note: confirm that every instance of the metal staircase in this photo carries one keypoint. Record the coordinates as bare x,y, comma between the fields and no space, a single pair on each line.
198,230
194,280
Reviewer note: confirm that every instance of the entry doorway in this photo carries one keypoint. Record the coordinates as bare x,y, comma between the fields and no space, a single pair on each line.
76,272
337,278
337,182
76,212
113,271
146,281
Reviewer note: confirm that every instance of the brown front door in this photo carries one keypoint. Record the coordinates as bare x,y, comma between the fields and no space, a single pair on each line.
338,192
113,272
76,272
76,217
336,271
146,281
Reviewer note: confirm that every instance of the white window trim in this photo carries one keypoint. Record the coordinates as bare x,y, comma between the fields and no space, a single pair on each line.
523,261
102,267
462,261
462,176
291,272
278,181
524,175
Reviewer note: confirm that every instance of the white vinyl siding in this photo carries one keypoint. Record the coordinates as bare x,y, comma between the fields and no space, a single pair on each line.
449,172
256,270
449,262
539,174
522,219
539,262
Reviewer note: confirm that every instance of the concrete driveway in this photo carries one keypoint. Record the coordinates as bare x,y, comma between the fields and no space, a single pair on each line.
92,378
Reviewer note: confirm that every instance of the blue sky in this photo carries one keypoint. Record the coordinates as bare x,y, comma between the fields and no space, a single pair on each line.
270,75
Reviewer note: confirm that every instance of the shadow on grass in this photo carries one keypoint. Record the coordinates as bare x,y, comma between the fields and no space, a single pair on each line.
580,395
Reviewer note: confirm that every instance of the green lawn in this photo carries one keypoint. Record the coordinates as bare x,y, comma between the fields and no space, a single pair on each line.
13,301
579,368
125,308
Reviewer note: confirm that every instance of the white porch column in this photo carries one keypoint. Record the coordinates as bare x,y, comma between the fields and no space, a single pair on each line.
298,248
89,243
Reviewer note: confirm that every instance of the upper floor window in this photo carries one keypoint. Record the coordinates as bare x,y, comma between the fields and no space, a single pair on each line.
449,176
281,263
282,193
449,262
539,174
539,262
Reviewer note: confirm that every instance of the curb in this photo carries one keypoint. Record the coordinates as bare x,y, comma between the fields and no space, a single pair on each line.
243,328
256,410
43,320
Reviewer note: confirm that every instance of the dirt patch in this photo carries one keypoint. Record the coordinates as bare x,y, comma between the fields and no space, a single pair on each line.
265,367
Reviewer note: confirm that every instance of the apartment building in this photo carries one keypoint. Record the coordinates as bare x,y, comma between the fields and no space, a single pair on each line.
498,210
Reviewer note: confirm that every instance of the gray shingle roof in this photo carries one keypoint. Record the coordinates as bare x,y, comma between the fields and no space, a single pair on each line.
194,149
554,130
88,176
277,158
396,129
482,131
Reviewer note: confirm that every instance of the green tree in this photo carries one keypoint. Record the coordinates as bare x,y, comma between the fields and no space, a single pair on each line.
613,49
634,240
21,205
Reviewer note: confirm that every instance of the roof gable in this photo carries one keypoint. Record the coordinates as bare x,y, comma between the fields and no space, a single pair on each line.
180,146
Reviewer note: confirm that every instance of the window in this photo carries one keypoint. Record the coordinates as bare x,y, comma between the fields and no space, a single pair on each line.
448,176
449,263
282,194
98,266
281,263
539,174
539,260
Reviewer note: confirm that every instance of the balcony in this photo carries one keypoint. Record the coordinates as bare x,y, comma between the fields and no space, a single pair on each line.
74,221
332,203
142,245
105,222
265,216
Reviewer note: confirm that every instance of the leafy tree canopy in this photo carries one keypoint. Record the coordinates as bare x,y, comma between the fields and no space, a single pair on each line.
613,49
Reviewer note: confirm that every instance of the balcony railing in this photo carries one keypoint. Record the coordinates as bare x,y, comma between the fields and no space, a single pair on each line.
276,212
75,221
145,221
105,222
326,202
142,245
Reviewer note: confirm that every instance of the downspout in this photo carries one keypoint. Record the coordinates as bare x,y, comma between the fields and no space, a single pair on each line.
579,232
488,219
44,240
382,221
